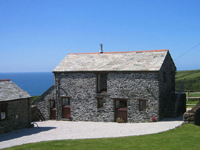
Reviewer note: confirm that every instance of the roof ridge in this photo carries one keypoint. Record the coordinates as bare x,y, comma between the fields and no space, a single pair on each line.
123,52
4,79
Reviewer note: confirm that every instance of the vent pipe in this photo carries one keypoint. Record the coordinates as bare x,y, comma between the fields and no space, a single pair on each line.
101,50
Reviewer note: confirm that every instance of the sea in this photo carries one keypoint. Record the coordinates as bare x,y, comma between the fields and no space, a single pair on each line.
35,83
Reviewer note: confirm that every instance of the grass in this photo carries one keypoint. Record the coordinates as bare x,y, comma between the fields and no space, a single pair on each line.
34,98
185,137
194,94
192,101
191,79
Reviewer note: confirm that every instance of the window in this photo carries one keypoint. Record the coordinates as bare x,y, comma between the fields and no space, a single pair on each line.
65,101
52,103
101,83
121,104
100,102
142,105
3,111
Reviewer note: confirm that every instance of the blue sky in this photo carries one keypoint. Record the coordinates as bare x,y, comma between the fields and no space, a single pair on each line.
35,35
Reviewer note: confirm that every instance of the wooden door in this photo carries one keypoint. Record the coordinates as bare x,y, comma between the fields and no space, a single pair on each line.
66,107
53,113
66,111
121,109
52,110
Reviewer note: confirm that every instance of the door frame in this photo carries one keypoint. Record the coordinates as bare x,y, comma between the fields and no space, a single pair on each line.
52,109
65,107
125,109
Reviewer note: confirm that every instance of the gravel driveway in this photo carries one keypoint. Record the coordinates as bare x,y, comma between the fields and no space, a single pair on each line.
59,130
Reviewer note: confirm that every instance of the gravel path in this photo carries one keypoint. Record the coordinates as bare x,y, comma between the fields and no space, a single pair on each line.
59,130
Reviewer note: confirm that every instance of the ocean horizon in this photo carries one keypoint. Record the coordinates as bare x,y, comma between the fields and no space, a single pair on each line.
35,83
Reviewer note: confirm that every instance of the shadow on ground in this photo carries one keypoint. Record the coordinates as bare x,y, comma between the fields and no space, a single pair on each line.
23,132
180,118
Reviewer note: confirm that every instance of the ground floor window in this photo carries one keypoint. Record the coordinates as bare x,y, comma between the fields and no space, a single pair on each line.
65,101
100,102
3,111
142,105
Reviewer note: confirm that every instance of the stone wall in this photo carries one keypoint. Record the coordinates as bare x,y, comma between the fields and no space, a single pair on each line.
193,115
167,88
43,103
136,86
81,88
18,115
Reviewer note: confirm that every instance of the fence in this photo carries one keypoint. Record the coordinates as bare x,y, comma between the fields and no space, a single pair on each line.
192,97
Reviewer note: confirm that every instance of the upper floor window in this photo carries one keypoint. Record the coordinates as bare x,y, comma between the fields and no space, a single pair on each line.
101,82
3,111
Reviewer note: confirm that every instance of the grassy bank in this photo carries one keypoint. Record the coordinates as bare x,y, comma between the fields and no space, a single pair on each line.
34,98
191,79
185,137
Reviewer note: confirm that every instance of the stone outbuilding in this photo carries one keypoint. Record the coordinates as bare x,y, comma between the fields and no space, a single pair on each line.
14,107
132,85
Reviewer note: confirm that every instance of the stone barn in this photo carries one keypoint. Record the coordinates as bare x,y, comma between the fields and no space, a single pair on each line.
14,107
132,85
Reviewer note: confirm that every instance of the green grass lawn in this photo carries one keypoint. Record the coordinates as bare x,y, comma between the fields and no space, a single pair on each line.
185,137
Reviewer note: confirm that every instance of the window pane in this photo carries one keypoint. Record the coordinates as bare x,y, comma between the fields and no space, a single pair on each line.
52,104
65,101
100,103
3,115
101,82
142,105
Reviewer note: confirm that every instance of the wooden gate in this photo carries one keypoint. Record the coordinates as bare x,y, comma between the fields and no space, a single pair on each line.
121,109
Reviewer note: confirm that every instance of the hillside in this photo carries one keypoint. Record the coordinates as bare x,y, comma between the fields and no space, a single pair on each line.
191,79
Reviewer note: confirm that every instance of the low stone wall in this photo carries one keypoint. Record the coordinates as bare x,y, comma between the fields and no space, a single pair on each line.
193,115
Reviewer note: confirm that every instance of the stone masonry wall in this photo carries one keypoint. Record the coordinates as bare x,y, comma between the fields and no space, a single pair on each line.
18,115
167,88
81,88
43,103
136,86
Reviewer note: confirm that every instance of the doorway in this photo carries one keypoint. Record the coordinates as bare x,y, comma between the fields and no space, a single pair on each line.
52,110
66,107
121,109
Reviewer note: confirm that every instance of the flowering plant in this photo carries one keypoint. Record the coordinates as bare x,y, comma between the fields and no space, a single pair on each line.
153,119
119,119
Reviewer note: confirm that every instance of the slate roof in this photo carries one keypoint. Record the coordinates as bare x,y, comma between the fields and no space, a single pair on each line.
10,91
151,60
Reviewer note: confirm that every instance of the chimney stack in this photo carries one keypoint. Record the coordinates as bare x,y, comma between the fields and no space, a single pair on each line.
101,50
